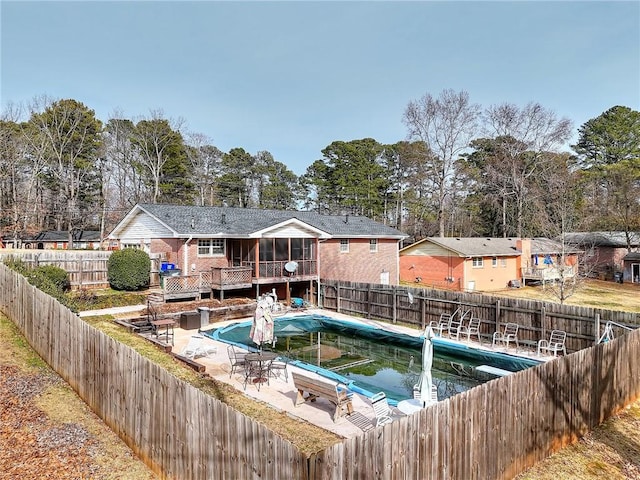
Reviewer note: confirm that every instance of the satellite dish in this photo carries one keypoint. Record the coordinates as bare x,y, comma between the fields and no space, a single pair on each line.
291,267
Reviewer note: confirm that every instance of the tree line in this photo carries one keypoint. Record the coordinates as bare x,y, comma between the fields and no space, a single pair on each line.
462,170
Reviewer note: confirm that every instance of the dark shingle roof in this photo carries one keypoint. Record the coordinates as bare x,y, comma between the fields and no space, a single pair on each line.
63,236
228,221
547,246
602,239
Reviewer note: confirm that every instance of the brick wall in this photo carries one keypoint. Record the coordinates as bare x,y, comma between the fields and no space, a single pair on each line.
359,264
437,271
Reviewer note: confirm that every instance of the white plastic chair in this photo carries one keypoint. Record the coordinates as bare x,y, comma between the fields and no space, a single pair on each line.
510,334
555,343
472,328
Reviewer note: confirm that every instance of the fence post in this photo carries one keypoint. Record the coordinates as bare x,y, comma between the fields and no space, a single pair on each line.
497,315
597,322
394,298
423,309
338,298
368,300
543,315
80,272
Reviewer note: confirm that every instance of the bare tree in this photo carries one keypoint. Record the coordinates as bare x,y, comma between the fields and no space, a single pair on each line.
445,125
525,136
206,161
66,136
155,138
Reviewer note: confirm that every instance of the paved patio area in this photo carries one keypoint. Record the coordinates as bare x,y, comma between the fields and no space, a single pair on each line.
280,392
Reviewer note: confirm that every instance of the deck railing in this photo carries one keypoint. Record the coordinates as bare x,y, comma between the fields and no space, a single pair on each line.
548,273
226,276
276,269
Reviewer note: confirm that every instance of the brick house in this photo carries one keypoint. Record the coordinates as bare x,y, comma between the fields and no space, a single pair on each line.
255,251
484,264
604,251
59,239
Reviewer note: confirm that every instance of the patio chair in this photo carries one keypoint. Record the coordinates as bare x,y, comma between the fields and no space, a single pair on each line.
457,323
236,359
381,409
198,348
472,328
278,366
510,334
555,343
434,393
443,325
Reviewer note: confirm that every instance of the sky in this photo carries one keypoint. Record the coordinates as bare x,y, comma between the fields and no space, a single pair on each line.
292,77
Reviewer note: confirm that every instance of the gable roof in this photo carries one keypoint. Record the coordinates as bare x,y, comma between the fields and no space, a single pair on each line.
547,246
63,236
185,220
602,239
474,246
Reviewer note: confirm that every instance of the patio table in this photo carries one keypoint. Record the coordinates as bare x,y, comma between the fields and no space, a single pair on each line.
257,367
168,324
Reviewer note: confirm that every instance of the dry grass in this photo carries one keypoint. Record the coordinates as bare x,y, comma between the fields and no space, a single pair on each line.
611,451
591,293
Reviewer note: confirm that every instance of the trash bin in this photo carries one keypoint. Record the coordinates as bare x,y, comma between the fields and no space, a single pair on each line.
171,272
189,320
617,277
204,316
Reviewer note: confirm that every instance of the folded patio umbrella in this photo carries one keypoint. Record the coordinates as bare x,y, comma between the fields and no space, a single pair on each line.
425,382
262,326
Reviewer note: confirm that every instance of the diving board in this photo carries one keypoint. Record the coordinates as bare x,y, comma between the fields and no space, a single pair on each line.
493,370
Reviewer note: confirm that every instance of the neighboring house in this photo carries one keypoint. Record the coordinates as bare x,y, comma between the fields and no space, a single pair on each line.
58,239
604,251
544,260
484,264
631,267
261,250
469,264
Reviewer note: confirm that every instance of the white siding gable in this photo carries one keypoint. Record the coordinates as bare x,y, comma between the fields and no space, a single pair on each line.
290,231
144,227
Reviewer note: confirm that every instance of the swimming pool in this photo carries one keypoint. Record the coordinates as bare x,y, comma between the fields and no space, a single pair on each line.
370,359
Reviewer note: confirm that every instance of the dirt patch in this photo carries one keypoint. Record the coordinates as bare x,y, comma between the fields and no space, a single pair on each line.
192,305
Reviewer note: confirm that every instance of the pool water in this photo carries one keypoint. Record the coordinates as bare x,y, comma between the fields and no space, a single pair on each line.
372,359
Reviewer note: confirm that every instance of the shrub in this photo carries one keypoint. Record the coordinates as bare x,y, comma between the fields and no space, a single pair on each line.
58,276
128,269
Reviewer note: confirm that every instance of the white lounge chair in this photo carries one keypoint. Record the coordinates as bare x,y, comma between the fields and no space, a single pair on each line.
555,343
198,348
508,335
384,413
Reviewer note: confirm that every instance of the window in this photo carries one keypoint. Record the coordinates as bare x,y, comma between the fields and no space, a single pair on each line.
503,262
494,262
344,245
478,262
211,247
373,245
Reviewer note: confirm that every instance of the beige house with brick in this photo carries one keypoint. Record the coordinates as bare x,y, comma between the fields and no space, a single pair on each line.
469,264
485,264
252,251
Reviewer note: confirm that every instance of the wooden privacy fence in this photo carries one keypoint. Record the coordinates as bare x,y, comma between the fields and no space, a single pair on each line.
498,429
419,306
86,268
493,431
177,430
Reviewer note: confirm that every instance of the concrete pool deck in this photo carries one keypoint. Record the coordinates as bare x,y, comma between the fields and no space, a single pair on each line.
281,394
